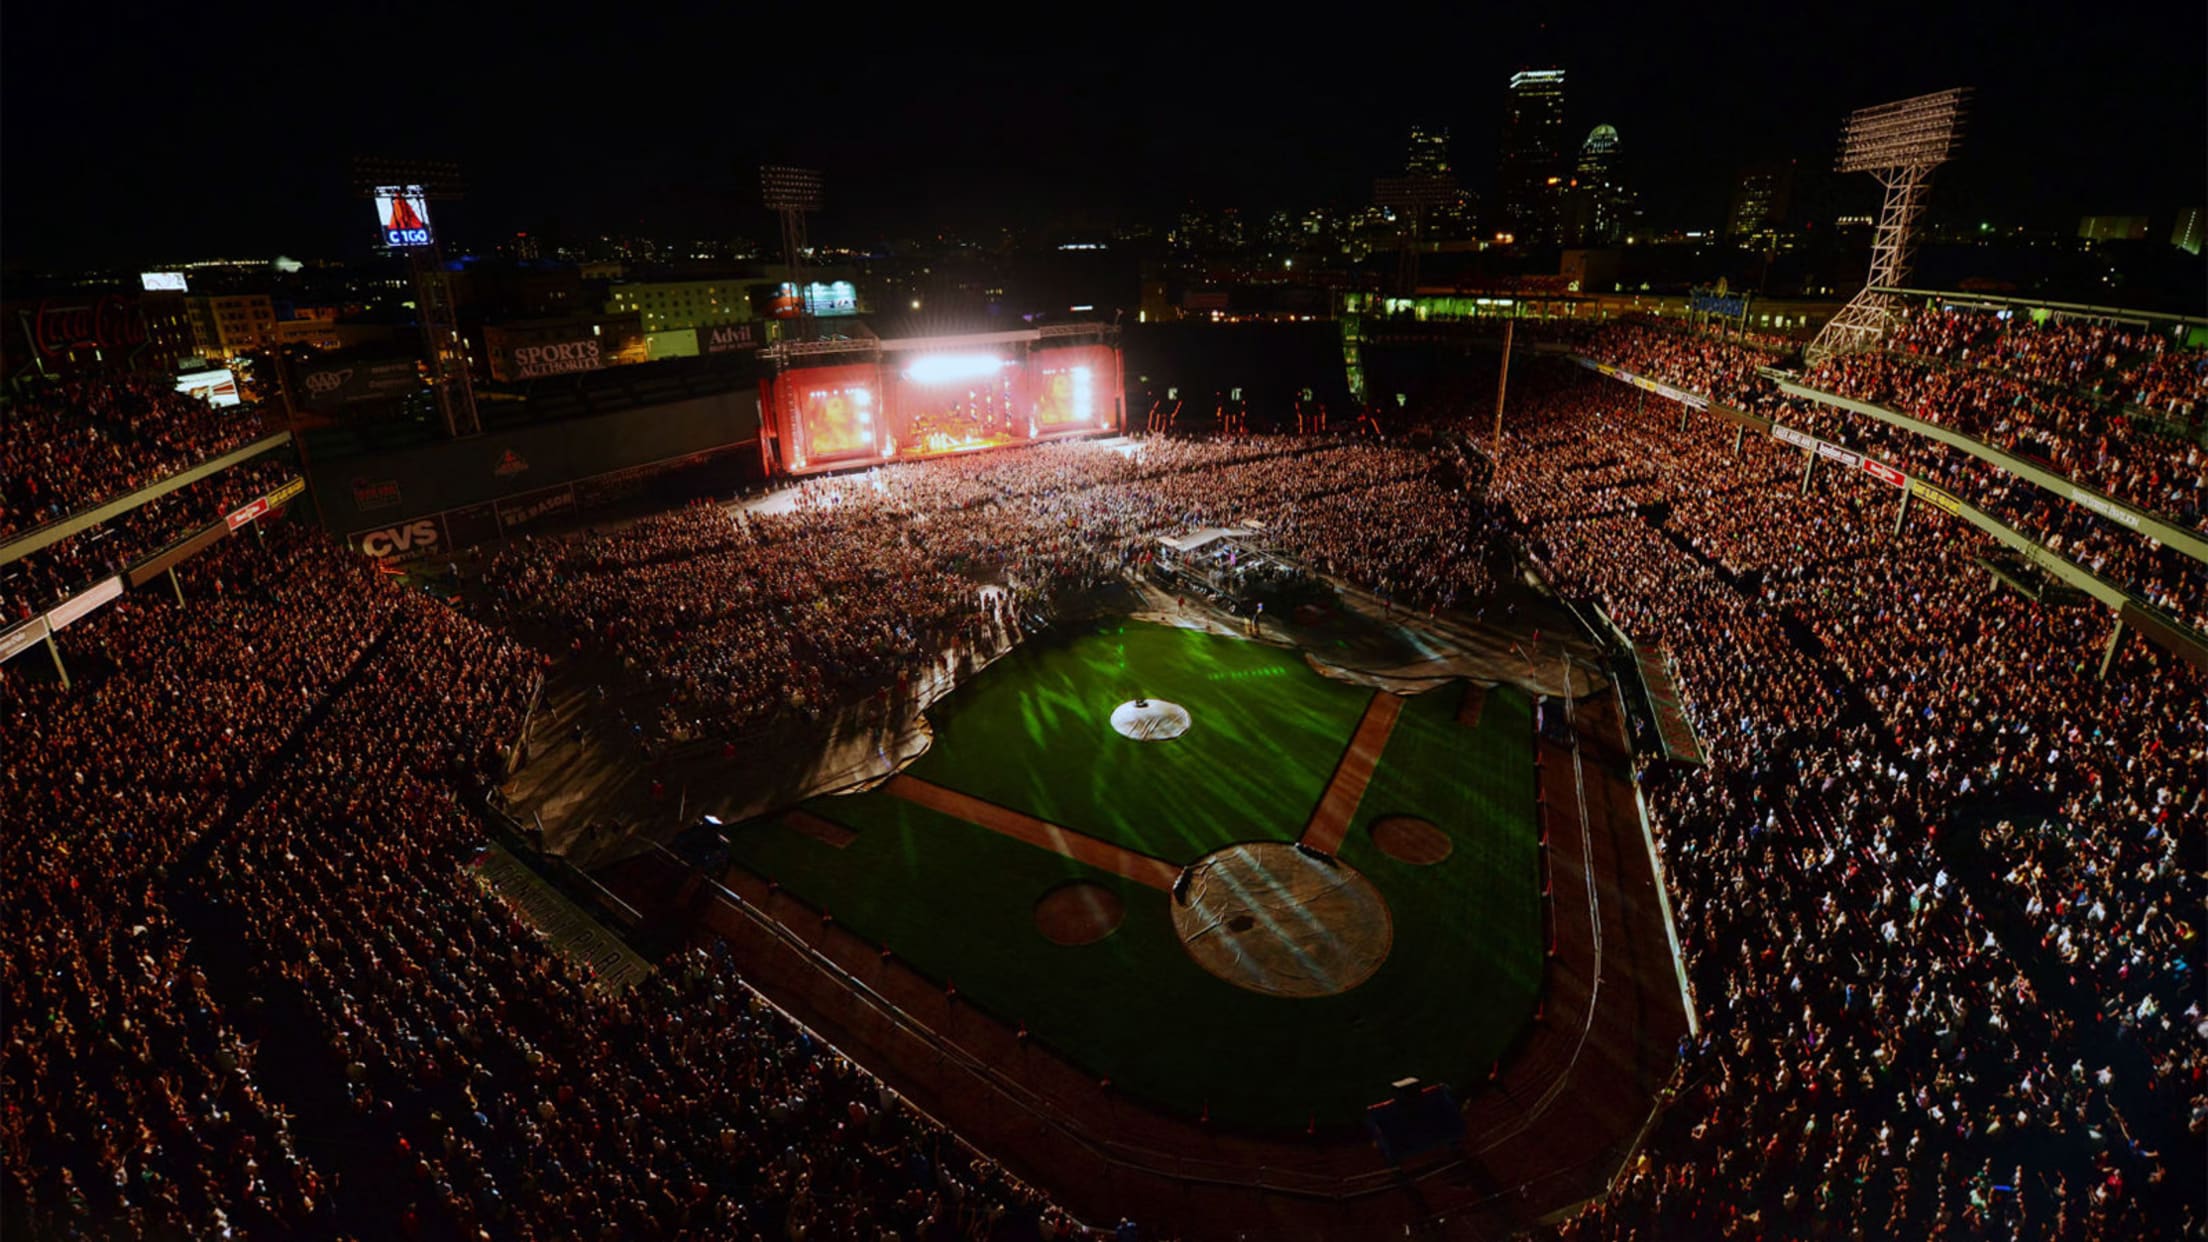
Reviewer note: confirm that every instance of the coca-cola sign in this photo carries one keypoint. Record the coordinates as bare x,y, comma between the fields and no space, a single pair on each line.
112,322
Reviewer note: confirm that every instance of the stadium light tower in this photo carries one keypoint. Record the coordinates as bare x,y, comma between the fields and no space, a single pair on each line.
790,193
403,190
1899,144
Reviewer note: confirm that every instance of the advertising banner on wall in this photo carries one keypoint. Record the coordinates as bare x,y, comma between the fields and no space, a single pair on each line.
405,541
1833,452
353,382
162,282
724,338
1799,439
1881,471
253,510
526,351
22,638
520,362
2106,508
1939,499
266,504
84,601
1691,400
522,512
371,494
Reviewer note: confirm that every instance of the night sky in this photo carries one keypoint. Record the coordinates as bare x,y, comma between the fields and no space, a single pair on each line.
212,130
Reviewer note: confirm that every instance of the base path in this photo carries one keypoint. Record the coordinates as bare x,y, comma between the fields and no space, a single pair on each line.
1474,701
1338,806
1103,855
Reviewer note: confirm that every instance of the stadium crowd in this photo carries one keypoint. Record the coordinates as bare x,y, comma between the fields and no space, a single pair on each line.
751,617
2159,575
244,859
2126,363
1938,889
81,442
2082,438
2089,440
2052,392
45,577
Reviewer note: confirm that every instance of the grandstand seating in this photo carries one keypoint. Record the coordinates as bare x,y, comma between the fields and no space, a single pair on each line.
1938,889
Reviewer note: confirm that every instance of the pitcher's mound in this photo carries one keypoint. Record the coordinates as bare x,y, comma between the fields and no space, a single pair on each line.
1406,838
1150,720
1078,913
1265,917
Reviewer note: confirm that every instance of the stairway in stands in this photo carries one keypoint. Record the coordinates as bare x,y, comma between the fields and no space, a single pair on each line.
586,944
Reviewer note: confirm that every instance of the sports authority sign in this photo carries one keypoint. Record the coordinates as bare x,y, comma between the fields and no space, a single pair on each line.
531,353
559,358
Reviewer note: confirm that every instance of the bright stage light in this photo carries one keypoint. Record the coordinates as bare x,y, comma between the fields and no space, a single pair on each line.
946,368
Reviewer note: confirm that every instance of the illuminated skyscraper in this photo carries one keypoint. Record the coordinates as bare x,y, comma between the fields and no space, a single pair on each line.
1763,198
1534,169
1429,153
1598,206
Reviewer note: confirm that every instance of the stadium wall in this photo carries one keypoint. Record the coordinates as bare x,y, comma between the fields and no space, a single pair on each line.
393,488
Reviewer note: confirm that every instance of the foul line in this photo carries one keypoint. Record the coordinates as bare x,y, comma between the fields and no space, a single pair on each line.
1338,806
1103,855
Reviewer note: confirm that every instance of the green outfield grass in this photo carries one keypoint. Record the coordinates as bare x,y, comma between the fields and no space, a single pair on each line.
1033,733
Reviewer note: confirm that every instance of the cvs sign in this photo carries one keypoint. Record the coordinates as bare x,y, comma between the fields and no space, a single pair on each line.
416,538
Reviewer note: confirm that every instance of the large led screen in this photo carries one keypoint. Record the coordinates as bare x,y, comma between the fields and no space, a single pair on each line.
403,212
218,387
839,412
1073,388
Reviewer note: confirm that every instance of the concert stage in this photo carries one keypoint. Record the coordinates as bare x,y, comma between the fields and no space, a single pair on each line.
833,405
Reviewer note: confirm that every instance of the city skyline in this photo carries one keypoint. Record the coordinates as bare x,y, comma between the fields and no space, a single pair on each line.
651,134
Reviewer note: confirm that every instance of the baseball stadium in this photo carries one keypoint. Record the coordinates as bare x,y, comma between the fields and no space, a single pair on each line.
1064,699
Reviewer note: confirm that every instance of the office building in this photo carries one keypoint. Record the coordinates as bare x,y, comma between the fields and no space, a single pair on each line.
1533,164
1597,207
1429,152
226,325
1762,199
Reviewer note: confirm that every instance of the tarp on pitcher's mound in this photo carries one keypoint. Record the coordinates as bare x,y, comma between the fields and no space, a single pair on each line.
1268,917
